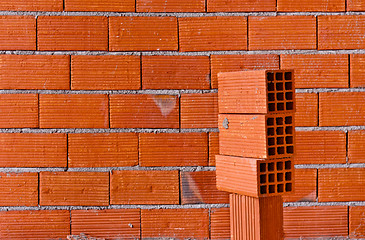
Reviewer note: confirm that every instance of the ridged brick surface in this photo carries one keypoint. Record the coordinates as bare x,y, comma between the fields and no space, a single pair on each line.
31,5
356,222
355,5
311,6
144,187
219,223
305,186
100,6
18,33
213,147
102,150
170,6
357,69
356,146
241,6
306,111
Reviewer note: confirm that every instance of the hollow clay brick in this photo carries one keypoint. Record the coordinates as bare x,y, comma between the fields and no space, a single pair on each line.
105,73
144,187
170,6
102,150
212,33
17,32
175,72
31,5
356,146
311,6
144,111
355,5
213,147
241,6
356,222
305,183
219,223
173,149
100,6
357,69
306,109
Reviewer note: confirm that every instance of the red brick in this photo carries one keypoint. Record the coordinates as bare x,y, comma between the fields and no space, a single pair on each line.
170,6
241,6
143,33
105,73
19,110
318,71
175,223
31,5
306,114
35,72
200,187
355,5
356,222
212,33
357,72
341,184
40,224
173,149
100,5
233,63
74,188
73,111
102,150
17,33
311,6
33,150
144,187
175,72
282,32
219,223
199,110
341,108
305,189
320,147
19,189
144,111
213,147
318,221
109,224
341,32
356,146
72,33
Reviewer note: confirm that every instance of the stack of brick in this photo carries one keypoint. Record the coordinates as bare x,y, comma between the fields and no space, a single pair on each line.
256,146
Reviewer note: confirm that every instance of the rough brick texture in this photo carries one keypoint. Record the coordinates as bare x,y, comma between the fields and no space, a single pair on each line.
213,147
357,71
170,6
305,186
31,5
311,6
355,5
100,6
356,146
356,222
241,6
220,223
18,33
306,114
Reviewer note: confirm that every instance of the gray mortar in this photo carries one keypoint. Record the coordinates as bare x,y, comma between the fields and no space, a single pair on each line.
319,166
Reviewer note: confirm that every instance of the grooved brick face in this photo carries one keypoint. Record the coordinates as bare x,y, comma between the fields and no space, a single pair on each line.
341,32
105,73
306,114
175,72
143,33
144,187
72,33
173,149
17,33
241,6
100,5
355,5
219,223
305,186
212,33
311,6
170,6
213,147
175,223
31,5
357,69
356,222
356,146
282,32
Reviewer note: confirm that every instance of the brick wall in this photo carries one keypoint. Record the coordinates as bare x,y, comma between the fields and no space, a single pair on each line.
108,114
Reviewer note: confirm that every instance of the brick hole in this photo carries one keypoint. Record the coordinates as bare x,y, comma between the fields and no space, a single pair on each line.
270,122
288,76
279,86
279,96
280,188
288,176
288,120
289,96
271,97
271,178
271,141
280,140
279,166
271,167
271,107
271,188
280,107
279,121
289,140
288,165
271,132
271,151
288,187
270,77
289,106
289,149
281,150
262,178
280,131
271,86
289,130
279,76
288,86
263,190
262,167
280,177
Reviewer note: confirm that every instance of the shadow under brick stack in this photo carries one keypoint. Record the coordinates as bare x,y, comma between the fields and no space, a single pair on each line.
256,146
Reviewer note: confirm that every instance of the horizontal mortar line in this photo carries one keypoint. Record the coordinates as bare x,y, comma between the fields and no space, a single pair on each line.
314,204
339,128
107,130
322,90
339,165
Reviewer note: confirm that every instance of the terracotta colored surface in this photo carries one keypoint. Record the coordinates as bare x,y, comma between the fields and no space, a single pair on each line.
254,177
175,223
212,33
355,5
256,218
282,32
175,72
17,33
31,5
105,72
241,6
356,146
74,188
109,224
42,224
200,187
305,186
144,111
19,111
144,187
319,221
233,63
33,150
311,6
143,33
73,111
341,109
34,72
341,184
199,110
306,114
173,149
341,32
102,150
265,91
320,147
18,189
318,71
72,33
356,222
357,69
219,223
100,5
256,136
170,6
213,147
